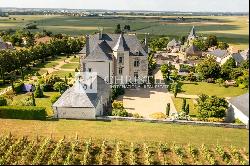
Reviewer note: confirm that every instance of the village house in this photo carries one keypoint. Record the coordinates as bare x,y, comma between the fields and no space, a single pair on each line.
223,55
239,109
174,46
77,103
5,45
117,58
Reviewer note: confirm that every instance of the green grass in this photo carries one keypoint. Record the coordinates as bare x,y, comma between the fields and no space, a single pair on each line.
198,88
62,73
232,29
178,105
128,131
75,59
70,66
49,64
41,102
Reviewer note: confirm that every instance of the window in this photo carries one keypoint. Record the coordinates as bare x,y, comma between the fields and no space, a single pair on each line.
136,74
136,63
89,69
120,60
120,70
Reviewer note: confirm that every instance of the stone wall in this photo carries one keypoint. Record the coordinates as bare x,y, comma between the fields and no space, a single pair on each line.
169,121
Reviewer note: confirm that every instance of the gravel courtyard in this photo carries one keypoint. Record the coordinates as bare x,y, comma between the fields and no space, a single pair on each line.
145,101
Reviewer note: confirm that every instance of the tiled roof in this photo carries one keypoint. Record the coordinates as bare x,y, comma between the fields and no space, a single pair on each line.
192,50
241,103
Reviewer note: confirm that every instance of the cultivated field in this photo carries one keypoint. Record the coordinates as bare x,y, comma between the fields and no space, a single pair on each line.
91,152
232,29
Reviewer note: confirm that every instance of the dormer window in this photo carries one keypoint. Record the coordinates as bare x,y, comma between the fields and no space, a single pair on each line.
137,53
120,60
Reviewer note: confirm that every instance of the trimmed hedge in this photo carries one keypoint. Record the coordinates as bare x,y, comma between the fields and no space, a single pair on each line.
23,112
18,87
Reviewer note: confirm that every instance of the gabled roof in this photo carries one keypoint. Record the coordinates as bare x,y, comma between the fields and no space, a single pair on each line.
76,96
219,53
113,41
173,43
100,53
192,50
241,103
121,44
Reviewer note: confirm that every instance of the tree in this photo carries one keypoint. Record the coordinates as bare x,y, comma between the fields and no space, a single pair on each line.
118,29
187,109
227,68
60,87
211,107
166,70
211,41
208,68
175,88
184,102
168,109
38,92
200,44
245,64
183,39
223,45
33,99
127,27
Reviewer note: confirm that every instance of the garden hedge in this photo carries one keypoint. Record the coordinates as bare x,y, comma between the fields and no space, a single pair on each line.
23,112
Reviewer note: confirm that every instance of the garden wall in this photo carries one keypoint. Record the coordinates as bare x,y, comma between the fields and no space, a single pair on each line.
169,121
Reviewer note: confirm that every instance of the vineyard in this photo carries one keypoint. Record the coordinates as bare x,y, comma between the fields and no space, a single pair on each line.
43,151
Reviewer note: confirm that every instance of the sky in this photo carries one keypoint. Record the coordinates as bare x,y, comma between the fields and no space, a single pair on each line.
154,5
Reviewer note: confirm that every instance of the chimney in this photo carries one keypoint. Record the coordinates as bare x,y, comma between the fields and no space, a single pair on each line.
100,33
87,45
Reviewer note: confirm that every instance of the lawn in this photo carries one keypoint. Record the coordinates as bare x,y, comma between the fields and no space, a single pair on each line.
40,102
70,66
49,64
198,88
75,59
232,29
178,105
128,131
62,73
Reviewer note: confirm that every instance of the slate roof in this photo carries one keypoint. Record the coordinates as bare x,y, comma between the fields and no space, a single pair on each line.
112,42
76,97
173,43
192,50
241,103
219,53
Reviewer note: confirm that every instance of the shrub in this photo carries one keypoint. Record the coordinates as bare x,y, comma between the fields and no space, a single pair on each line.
117,91
26,101
210,80
136,115
168,109
120,112
60,86
55,98
23,112
118,109
3,101
158,115
38,92
18,87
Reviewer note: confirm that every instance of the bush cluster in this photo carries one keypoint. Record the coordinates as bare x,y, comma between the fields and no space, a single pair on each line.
18,87
23,112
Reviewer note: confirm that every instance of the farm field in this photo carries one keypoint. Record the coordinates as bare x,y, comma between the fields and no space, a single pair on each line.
198,88
43,151
127,131
232,29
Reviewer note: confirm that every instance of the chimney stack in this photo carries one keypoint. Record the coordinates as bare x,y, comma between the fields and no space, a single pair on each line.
100,33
